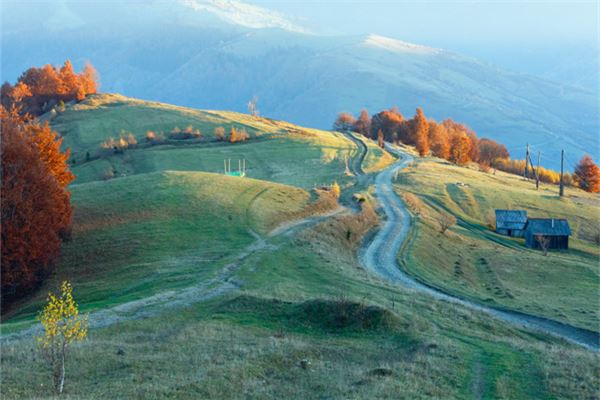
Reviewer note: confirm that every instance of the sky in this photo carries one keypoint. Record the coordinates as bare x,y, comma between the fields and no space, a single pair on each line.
525,34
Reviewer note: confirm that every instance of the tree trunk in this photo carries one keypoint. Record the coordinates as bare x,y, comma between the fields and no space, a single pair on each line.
62,370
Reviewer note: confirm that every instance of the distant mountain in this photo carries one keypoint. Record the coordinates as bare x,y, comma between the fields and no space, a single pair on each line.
219,54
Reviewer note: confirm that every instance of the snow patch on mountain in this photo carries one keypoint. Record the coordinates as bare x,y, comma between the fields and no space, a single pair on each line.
397,46
247,15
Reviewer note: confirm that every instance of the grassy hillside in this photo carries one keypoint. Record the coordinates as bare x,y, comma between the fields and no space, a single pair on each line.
277,151
310,323
471,260
136,235
191,295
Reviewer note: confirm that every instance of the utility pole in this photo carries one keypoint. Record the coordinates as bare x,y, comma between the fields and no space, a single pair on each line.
526,172
562,162
537,173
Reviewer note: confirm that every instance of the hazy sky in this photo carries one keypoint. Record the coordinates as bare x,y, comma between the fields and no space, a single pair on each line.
519,34
450,21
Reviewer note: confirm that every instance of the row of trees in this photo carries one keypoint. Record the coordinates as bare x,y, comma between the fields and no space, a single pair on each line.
235,135
449,139
455,142
38,90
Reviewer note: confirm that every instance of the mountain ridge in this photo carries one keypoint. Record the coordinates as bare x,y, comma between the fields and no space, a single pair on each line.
307,78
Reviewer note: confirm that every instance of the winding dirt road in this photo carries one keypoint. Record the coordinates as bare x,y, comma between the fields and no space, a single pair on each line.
223,282
380,257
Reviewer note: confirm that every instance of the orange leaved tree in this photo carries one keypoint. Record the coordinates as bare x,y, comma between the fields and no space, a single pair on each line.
587,175
36,209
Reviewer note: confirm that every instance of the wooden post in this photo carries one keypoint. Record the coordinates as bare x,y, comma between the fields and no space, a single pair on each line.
225,166
526,172
537,173
561,191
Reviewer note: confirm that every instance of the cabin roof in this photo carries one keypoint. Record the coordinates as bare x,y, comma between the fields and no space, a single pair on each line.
511,219
548,227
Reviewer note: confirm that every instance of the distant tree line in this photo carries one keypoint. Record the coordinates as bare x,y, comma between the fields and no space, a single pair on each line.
454,142
38,90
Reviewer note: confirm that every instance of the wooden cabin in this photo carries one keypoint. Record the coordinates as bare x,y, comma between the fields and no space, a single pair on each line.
553,232
511,222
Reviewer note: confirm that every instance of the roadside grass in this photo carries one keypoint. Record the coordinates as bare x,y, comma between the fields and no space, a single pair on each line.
472,261
376,158
135,236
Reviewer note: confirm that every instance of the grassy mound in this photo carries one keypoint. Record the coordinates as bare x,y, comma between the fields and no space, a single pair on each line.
277,151
324,315
347,315
473,261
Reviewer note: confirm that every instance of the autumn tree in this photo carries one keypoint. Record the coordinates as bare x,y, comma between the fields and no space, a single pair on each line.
336,190
460,146
388,121
36,210
63,325
438,140
419,130
344,122
89,79
363,123
490,151
40,89
446,221
238,135
219,133
587,175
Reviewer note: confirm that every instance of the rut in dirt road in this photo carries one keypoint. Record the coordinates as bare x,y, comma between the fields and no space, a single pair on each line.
380,257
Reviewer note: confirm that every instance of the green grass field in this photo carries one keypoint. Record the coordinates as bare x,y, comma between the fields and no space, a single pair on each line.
471,260
276,151
309,302
140,234
300,317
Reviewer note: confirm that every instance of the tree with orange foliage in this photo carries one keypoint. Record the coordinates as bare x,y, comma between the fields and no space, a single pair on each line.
438,139
344,122
70,85
587,175
238,135
36,210
419,129
490,151
40,89
363,123
388,121
89,79
460,145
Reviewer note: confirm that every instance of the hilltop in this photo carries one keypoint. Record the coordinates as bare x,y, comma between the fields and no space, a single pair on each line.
276,150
